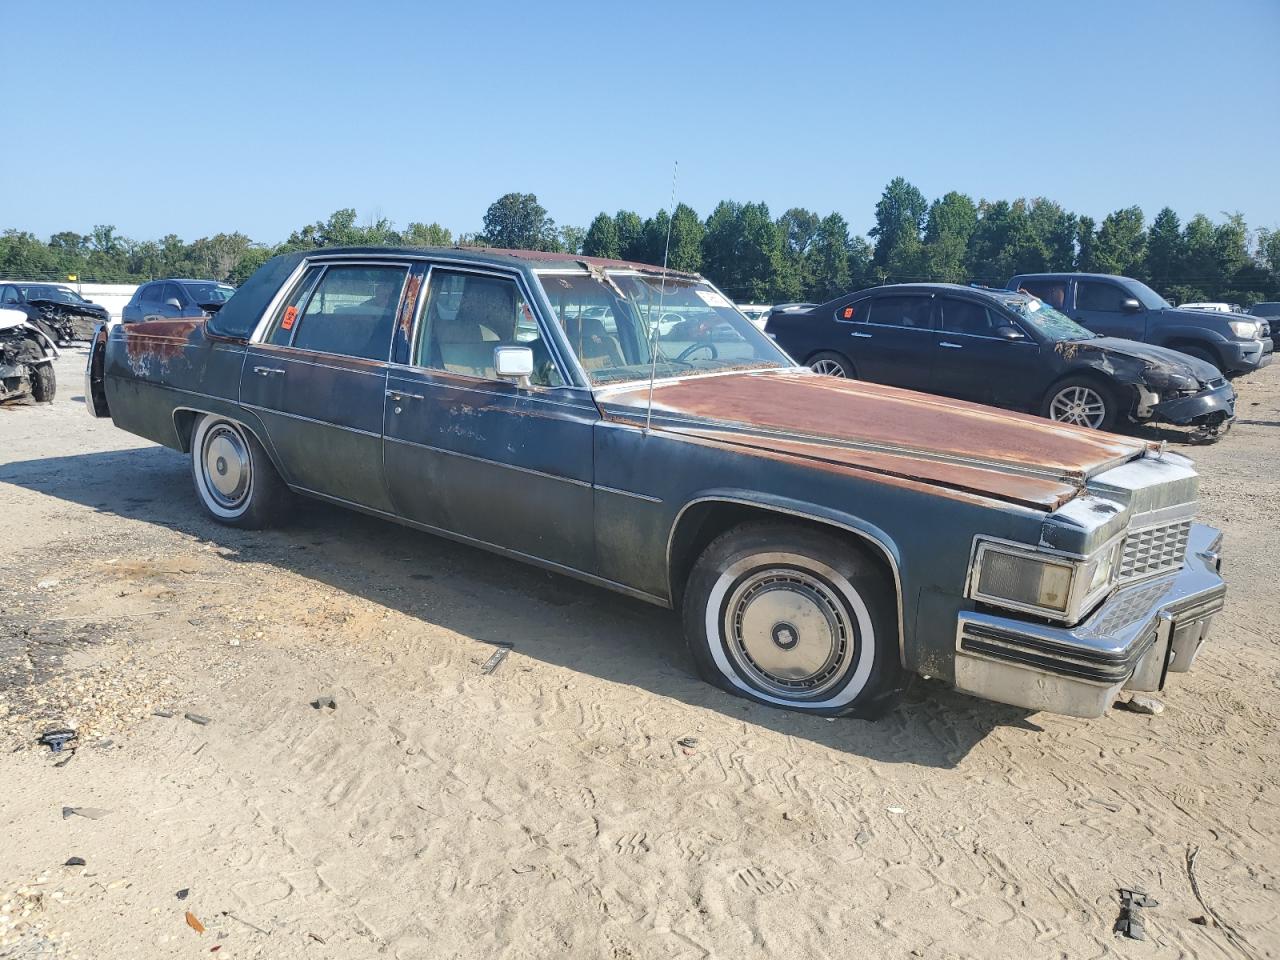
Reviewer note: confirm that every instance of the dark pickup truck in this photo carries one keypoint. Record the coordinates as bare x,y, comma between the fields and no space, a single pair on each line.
1122,307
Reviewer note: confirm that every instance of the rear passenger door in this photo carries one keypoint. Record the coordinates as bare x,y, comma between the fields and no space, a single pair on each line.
318,378
892,339
974,363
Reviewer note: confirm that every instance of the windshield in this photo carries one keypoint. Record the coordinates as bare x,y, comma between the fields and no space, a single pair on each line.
1146,296
46,291
1050,323
610,319
209,292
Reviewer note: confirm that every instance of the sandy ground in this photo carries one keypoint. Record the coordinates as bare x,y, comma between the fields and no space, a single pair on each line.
551,808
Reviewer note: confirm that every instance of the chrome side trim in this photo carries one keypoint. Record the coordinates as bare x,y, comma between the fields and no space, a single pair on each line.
485,460
290,358
880,545
551,565
298,416
425,376
627,493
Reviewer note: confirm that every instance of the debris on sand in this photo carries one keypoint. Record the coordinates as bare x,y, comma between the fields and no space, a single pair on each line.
324,701
1129,923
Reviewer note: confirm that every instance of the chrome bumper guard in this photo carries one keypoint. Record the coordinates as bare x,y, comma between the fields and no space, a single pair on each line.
1133,641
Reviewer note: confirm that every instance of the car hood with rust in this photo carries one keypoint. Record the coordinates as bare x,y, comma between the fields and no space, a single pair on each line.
873,429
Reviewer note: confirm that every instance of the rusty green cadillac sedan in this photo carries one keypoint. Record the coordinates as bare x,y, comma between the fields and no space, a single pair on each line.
823,540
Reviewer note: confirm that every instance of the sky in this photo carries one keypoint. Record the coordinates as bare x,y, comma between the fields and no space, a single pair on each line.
163,117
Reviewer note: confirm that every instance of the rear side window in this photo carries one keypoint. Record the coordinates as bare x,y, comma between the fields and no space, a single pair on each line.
282,330
1052,292
352,312
967,318
1104,297
853,312
150,293
10,295
909,312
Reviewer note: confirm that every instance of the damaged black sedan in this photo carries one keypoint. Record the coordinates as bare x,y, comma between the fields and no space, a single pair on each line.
55,309
1008,350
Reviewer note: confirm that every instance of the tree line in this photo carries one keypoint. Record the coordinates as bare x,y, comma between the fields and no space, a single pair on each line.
753,257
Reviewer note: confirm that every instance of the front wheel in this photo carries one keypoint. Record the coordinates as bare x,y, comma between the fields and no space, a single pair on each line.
234,478
796,618
1081,402
44,383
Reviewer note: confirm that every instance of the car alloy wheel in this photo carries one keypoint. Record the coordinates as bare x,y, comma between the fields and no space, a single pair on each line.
1079,405
827,367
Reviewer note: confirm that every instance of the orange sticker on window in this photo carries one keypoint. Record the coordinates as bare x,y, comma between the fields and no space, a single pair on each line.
290,314
848,314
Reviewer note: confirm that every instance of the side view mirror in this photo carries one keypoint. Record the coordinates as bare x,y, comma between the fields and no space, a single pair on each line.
173,302
1010,332
1130,305
513,363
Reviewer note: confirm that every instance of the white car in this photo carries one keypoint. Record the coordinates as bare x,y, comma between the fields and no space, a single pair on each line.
26,358
1214,307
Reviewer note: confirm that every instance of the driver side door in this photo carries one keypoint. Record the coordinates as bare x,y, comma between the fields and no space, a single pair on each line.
974,363
1099,307
495,462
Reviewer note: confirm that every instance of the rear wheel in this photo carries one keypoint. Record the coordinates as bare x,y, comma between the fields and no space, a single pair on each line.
234,478
1081,402
794,617
44,383
831,365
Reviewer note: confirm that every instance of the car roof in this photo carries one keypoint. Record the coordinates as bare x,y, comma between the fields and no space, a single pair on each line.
183,280
1074,274
535,259
995,293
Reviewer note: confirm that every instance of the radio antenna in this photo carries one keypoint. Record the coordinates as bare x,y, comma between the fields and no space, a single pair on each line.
662,293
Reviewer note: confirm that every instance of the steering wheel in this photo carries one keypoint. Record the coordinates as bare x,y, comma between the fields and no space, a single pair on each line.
708,345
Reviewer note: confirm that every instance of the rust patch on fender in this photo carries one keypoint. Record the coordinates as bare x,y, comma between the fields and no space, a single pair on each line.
150,346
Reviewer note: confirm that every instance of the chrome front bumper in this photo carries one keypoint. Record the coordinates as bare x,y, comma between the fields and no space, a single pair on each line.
1133,641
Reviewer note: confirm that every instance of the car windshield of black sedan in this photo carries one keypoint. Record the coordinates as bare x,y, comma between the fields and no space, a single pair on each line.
1050,323
49,292
611,319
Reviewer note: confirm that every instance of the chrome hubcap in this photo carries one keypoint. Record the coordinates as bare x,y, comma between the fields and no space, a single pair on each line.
827,367
788,632
1081,406
226,466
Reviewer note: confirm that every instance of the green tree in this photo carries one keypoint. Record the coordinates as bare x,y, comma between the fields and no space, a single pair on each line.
570,239
900,215
1053,232
1121,243
1086,242
742,250
426,235
950,223
827,261
1165,253
686,240
602,238
631,238
516,221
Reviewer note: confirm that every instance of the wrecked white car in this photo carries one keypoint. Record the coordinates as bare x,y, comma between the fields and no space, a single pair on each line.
26,359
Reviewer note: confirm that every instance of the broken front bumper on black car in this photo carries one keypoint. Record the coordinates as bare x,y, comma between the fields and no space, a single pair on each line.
1132,641
1215,407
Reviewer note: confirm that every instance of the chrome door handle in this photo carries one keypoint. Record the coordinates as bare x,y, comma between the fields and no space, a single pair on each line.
398,395
268,371
950,346
865,336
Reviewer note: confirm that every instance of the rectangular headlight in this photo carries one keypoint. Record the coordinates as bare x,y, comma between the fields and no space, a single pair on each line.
1025,580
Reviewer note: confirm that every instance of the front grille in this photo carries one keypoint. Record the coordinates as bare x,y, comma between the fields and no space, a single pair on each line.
1154,550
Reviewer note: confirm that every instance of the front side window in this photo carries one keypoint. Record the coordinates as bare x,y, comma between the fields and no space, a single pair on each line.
467,315
612,320
1103,297
209,292
351,312
967,318
911,313
150,293
10,295
171,292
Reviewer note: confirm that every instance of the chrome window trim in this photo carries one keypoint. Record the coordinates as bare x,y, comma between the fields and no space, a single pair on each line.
879,544
275,347
399,370
1078,605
